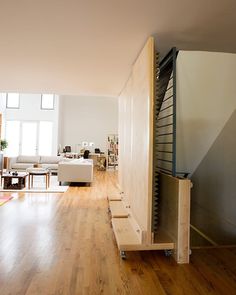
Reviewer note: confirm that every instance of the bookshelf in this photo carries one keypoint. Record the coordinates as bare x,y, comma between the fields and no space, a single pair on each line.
112,151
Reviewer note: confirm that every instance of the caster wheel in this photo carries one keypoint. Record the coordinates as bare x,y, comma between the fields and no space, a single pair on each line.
123,254
168,253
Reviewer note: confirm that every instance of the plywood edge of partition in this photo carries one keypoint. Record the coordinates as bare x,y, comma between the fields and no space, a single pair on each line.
183,221
151,65
151,136
175,213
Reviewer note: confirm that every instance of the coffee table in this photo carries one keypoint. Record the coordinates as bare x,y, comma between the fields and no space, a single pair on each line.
9,183
37,172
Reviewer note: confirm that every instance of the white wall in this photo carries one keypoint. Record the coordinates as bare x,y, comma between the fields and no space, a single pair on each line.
213,194
88,119
206,98
30,110
3,111
2,102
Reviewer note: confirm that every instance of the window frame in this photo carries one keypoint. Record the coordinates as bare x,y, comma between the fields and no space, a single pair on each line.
47,109
20,141
16,108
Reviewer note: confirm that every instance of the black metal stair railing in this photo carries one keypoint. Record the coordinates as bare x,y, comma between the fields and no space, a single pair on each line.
164,149
165,119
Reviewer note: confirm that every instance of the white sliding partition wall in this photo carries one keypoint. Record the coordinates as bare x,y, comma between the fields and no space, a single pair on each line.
137,120
132,211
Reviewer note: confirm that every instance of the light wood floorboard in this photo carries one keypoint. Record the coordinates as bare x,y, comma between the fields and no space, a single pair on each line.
63,244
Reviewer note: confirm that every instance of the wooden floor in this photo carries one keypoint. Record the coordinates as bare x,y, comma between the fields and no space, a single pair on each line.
63,244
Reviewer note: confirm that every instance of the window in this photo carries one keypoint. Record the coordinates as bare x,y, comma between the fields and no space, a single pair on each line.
47,102
45,138
29,138
13,138
13,100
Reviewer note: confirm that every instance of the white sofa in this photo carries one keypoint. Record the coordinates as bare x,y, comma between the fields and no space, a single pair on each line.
22,162
78,170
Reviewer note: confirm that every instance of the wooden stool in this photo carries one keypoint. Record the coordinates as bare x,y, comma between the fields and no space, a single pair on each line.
38,172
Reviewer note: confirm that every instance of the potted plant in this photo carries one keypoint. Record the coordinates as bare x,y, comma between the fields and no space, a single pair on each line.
3,144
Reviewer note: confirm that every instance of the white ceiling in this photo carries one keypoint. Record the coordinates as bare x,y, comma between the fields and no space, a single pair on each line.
88,47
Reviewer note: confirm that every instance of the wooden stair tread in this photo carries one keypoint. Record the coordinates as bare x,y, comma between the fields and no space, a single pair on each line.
114,197
117,209
124,233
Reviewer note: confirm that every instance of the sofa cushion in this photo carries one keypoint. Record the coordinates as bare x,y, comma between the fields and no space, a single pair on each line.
28,159
50,159
21,166
83,161
80,161
50,166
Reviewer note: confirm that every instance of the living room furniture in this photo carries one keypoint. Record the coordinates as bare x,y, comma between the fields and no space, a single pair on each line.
77,170
92,156
112,151
22,162
86,154
67,149
14,181
70,155
5,162
101,163
38,172
1,162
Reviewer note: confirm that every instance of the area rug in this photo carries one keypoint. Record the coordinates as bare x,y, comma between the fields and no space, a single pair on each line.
40,187
3,200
